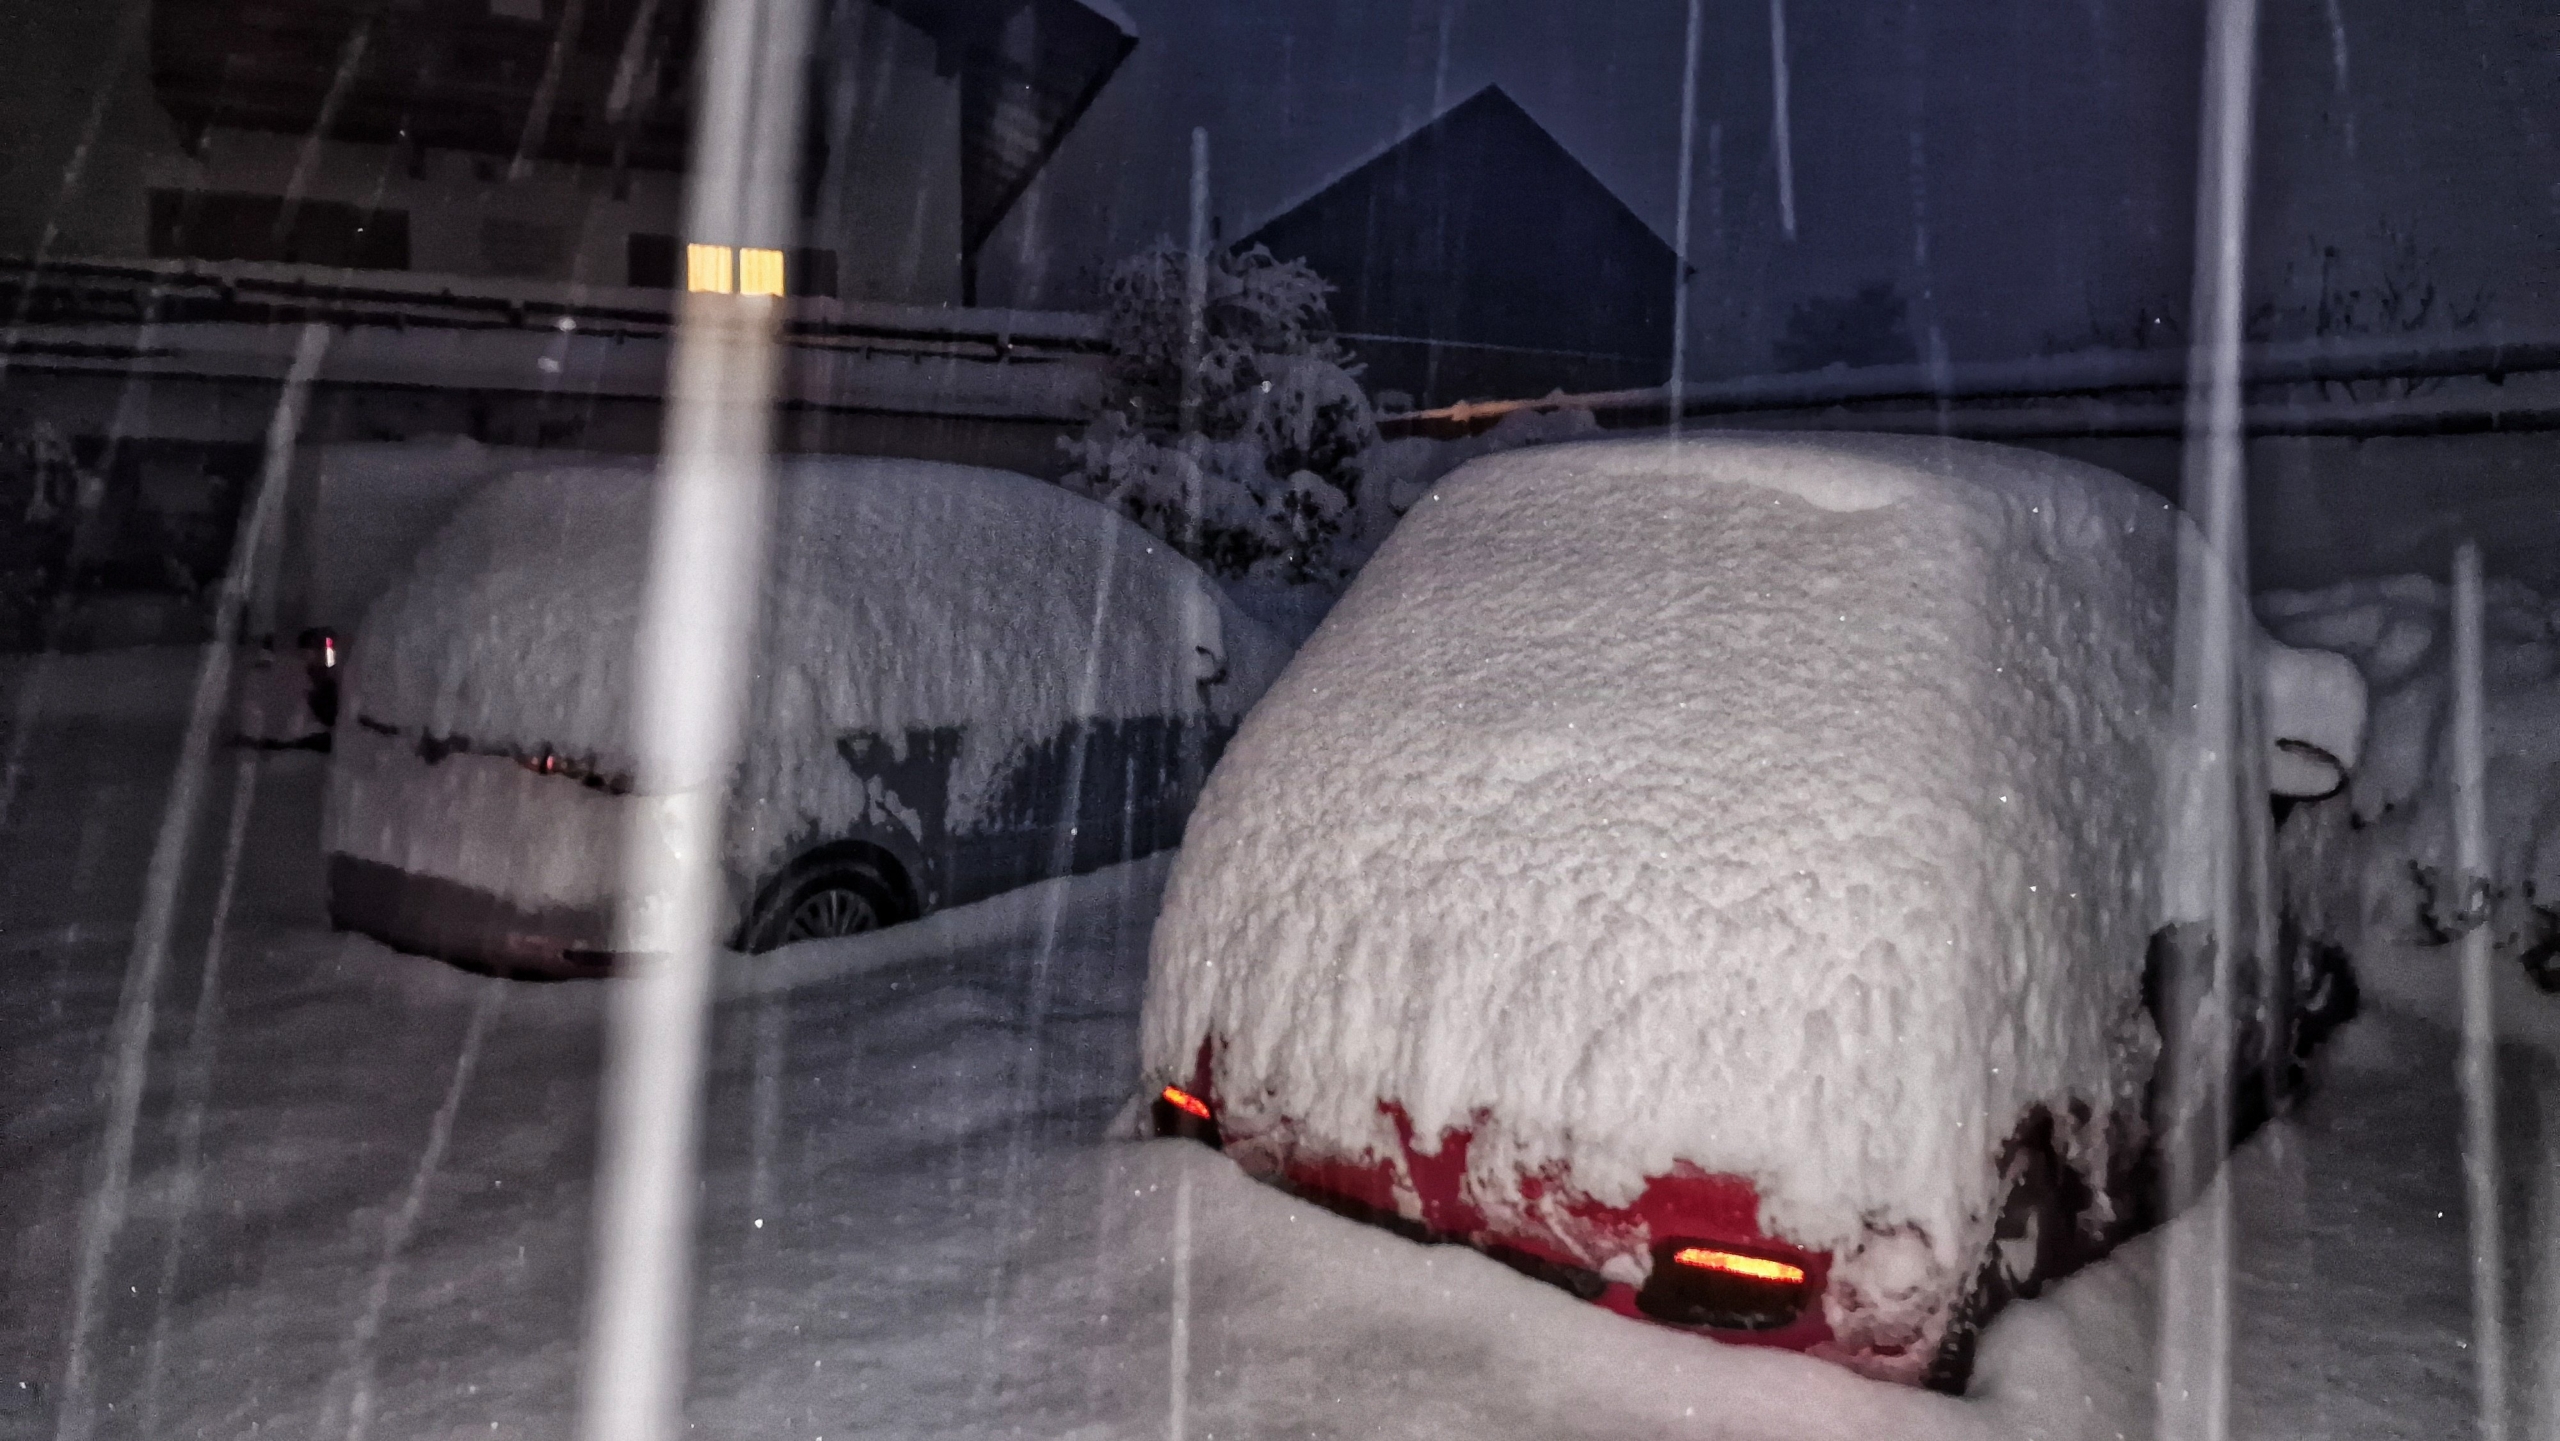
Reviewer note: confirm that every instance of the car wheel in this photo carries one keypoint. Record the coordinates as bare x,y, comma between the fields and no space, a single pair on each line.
2030,1244
844,900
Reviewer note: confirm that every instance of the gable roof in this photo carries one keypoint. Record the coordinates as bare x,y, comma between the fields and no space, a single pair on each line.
1480,228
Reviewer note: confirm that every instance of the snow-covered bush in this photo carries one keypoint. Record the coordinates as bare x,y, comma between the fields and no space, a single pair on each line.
2374,872
1250,461
45,495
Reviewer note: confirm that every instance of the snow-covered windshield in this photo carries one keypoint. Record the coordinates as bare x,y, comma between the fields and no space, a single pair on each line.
1441,718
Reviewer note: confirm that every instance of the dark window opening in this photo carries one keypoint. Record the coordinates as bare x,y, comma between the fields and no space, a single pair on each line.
650,261
215,225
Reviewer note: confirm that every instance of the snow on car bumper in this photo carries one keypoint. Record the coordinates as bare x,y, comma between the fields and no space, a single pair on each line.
1771,1292
476,859
473,928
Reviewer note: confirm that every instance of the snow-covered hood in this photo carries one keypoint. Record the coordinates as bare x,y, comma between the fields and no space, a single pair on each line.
1784,806
899,595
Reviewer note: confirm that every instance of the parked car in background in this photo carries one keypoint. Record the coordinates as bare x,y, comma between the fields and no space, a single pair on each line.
966,680
1723,877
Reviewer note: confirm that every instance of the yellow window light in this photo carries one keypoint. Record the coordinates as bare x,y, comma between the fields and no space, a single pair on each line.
760,272
1733,1263
712,268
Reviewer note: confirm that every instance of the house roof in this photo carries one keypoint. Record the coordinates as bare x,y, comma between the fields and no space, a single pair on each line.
1481,107
1480,229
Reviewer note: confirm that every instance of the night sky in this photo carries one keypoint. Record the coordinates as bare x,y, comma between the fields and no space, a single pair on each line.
2016,167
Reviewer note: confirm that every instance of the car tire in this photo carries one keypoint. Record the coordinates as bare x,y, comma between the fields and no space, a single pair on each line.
846,898
2031,1243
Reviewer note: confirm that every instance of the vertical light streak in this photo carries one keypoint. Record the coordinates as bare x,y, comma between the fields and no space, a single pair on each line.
22,725
2479,1029
1778,117
546,91
1440,67
350,60
764,1136
1195,334
403,1221
195,1079
1715,187
2208,818
103,91
697,628
1178,1403
1680,220
129,1053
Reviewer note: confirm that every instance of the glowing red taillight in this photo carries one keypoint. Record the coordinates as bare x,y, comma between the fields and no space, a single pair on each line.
1734,1263
1180,1113
1702,1283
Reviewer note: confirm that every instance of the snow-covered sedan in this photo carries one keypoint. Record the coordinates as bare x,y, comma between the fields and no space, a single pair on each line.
966,680
1723,878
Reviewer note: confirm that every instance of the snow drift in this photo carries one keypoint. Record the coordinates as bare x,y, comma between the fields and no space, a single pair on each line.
1782,807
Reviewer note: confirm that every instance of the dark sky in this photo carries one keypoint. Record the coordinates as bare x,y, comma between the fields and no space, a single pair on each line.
2016,167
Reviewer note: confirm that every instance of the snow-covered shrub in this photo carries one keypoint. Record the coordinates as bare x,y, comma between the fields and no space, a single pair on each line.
2374,871
1253,466
45,494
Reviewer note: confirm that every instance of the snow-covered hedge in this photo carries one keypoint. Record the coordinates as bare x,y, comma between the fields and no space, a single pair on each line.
2373,872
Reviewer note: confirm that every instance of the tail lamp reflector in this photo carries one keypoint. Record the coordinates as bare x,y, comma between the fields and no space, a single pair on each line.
1185,1102
1758,1268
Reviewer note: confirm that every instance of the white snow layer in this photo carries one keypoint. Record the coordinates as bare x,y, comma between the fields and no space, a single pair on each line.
1781,805
900,595
2376,874
375,504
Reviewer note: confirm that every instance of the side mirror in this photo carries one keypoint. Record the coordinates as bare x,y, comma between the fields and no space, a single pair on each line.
2314,705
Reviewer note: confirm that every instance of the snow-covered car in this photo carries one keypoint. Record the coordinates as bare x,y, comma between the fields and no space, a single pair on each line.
1723,878
966,680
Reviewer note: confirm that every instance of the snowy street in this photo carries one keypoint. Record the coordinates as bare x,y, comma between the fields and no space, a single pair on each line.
360,1194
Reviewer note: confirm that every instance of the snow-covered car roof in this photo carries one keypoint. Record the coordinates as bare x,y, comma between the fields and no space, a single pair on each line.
899,595
1782,806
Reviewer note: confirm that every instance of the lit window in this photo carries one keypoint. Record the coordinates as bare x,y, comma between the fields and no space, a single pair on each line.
711,268
760,272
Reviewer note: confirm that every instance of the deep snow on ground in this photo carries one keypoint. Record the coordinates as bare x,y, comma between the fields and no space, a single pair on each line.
947,1245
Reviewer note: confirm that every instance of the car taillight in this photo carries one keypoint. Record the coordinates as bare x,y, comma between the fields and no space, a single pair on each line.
1758,1268
1180,1113
1702,1283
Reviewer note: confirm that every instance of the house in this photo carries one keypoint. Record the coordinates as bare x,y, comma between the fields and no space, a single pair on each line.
480,199
547,139
1476,258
